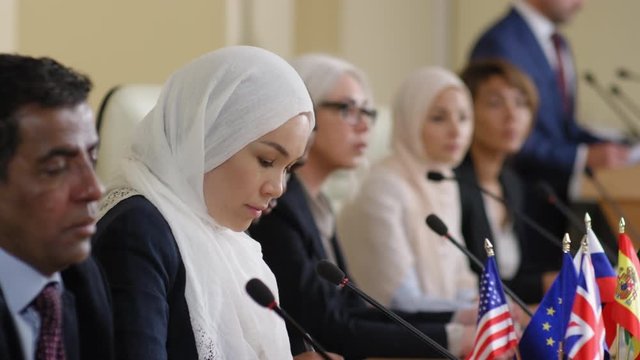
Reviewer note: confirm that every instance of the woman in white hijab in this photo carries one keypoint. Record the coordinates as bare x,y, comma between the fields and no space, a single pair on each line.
393,254
204,163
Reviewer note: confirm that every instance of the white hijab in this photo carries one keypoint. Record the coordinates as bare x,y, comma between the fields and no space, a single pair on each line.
409,159
208,111
441,269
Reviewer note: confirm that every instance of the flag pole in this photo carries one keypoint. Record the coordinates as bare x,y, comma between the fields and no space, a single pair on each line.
621,226
617,354
566,248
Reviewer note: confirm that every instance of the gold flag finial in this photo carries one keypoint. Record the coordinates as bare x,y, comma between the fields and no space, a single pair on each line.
621,226
488,247
566,243
585,244
587,220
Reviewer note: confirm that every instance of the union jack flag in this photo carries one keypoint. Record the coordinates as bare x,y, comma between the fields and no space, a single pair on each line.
495,334
585,333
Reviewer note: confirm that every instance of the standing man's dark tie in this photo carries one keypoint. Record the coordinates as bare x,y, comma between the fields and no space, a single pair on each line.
49,305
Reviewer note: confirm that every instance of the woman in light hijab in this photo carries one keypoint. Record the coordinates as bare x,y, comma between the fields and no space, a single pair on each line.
393,254
203,164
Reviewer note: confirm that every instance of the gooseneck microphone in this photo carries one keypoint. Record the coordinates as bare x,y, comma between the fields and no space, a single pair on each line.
438,226
626,100
593,83
609,200
261,294
550,195
552,199
626,74
330,272
437,176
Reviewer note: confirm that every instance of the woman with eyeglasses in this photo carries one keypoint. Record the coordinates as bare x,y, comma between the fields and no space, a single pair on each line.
300,231
393,254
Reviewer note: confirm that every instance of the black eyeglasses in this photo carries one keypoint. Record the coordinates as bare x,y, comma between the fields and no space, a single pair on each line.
350,112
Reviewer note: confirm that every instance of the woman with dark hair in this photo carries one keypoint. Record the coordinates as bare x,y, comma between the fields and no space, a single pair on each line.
504,101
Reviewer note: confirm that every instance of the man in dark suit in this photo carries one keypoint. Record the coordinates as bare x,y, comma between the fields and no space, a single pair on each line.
558,149
53,301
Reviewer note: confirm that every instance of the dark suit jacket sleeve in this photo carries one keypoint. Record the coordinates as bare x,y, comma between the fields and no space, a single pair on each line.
336,318
139,256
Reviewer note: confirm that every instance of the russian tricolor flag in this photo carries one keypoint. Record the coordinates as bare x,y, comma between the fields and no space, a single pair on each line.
606,277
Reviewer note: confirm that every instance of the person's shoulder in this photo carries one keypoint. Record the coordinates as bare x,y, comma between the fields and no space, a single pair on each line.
136,205
383,177
382,188
135,212
135,223
86,281
83,272
502,29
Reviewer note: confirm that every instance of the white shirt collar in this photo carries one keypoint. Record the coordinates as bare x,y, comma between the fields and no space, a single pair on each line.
21,283
541,26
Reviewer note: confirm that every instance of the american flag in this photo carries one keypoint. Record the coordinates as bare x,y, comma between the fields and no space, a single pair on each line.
495,334
585,333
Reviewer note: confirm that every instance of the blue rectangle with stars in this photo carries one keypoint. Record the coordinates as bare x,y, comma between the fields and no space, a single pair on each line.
542,337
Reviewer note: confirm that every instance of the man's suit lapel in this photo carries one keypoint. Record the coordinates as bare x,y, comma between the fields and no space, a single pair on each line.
533,50
540,69
70,326
10,347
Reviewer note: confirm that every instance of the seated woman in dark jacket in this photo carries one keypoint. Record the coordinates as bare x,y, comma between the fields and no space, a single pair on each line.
505,101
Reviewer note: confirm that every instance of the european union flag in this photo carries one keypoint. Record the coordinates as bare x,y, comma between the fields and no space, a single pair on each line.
544,334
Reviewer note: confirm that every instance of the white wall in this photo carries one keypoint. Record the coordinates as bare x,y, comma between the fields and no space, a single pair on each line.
8,11
142,41
120,41
389,39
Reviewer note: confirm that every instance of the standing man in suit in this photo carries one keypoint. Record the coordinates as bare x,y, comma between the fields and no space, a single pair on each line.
558,149
53,301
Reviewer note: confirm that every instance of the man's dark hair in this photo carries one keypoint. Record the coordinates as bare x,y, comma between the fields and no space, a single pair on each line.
26,81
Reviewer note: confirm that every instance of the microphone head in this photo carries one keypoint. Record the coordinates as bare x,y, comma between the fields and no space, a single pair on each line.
623,73
437,225
330,272
615,90
588,76
260,293
588,171
435,176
